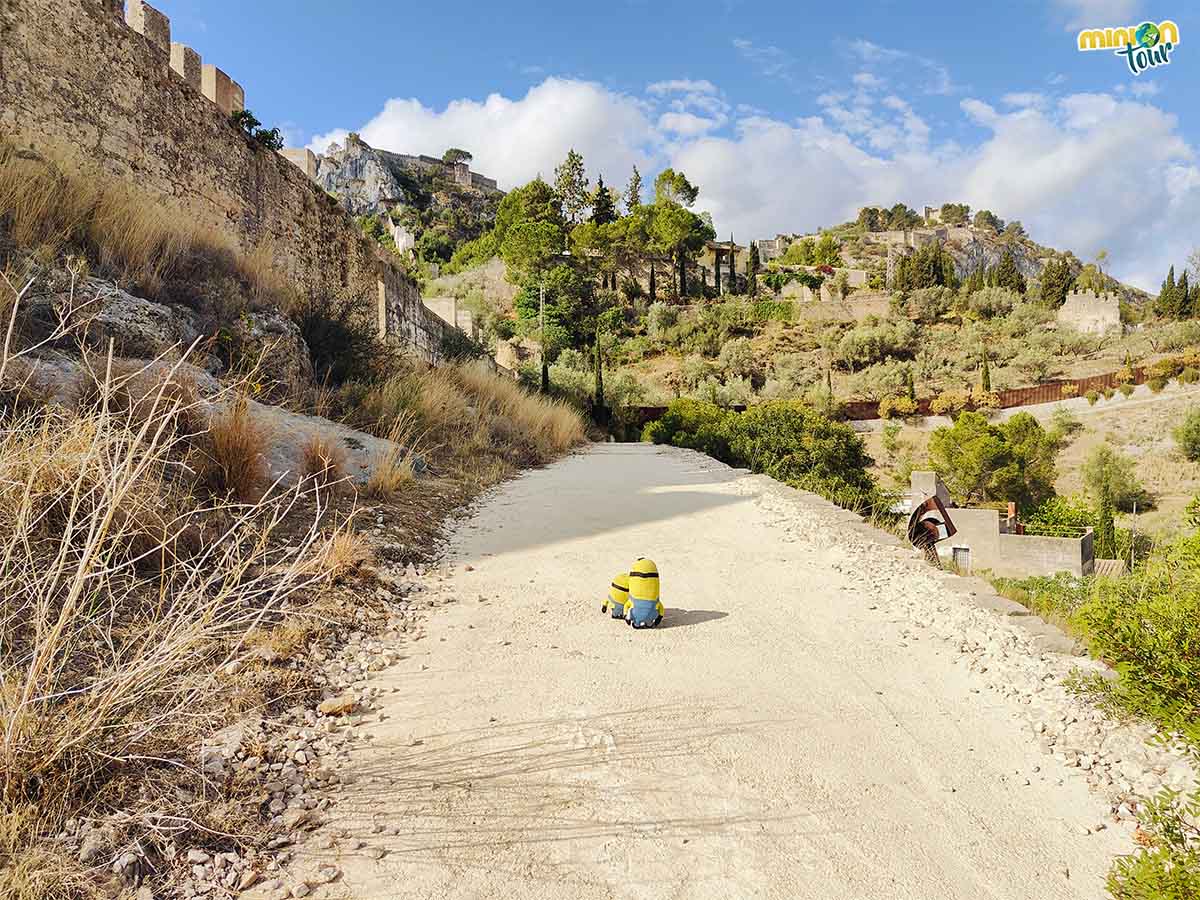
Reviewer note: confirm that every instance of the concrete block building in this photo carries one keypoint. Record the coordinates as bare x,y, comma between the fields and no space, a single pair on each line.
996,541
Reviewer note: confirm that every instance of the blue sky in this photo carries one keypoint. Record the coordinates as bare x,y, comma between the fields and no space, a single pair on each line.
788,117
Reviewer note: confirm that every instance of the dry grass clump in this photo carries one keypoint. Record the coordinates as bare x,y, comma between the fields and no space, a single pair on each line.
233,453
396,467
131,235
324,460
553,426
340,554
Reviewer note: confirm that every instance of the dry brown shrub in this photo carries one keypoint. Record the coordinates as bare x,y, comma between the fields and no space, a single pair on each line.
396,467
52,203
324,459
340,554
233,451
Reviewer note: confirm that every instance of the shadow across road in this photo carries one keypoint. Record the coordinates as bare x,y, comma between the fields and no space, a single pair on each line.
681,618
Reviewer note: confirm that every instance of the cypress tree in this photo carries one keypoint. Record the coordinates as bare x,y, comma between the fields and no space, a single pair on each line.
652,286
1183,297
1008,275
986,376
1165,305
752,269
909,388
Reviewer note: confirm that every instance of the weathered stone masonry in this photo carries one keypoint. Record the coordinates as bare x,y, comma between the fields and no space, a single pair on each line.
78,78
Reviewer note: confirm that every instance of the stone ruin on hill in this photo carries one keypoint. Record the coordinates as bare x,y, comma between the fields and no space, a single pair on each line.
1091,313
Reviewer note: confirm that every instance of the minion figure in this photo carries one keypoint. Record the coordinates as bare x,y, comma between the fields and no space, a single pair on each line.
644,609
618,597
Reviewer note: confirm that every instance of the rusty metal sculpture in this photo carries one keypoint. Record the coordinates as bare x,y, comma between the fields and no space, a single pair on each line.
927,524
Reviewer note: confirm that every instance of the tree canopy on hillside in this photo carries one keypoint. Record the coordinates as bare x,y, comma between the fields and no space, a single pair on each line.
928,266
981,462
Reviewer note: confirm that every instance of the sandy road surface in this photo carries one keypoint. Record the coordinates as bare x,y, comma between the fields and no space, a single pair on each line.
784,734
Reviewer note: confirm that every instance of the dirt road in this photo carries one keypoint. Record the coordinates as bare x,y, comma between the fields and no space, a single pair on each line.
791,730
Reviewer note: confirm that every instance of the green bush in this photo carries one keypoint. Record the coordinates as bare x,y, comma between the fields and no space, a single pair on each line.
786,439
1126,389
790,441
993,302
1189,376
1147,625
868,344
1157,384
1187,435
1092,397
927,305
659,318
1170,866
1107,467
737,358
693,424
773,310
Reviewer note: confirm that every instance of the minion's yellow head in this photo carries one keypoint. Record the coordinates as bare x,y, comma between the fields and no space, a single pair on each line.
618,591
643,580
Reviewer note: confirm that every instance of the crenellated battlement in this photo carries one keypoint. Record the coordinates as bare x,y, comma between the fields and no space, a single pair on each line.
185,62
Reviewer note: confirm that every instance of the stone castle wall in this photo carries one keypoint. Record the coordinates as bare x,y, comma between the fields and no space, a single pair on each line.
84,80
1091,313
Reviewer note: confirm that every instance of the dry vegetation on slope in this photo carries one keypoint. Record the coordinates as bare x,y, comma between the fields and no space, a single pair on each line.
153,578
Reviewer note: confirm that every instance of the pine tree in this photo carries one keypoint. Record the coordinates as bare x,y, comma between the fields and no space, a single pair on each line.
604,210
1105,546
986,376
752,269
633,192
571,187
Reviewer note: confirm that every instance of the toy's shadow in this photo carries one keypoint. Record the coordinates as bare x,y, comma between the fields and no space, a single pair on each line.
679,618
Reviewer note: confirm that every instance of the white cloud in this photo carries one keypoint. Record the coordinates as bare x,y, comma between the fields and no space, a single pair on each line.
935,77
1083,172
769,61
681,86
1066,172
1099,13
1024,99
514,140
686,124
1144,88
867,80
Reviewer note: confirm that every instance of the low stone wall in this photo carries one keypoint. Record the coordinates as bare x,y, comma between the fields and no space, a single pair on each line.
77,81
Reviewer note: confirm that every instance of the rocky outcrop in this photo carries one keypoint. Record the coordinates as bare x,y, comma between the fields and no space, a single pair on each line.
273,342
983,252
363,179
367,181
103,312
